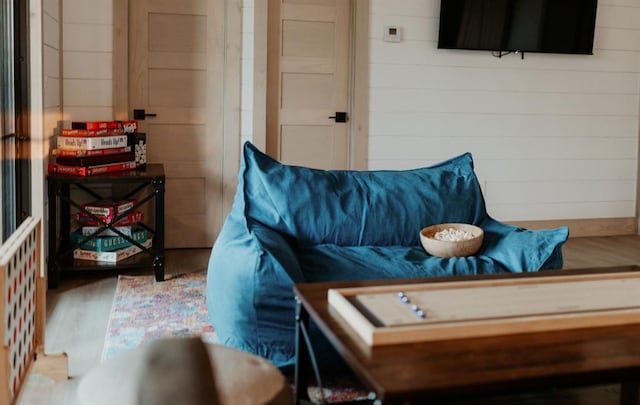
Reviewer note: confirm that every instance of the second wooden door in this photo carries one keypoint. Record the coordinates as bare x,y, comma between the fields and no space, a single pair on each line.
308,70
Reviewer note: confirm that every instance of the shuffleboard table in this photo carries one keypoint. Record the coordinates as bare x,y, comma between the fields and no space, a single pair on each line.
457,337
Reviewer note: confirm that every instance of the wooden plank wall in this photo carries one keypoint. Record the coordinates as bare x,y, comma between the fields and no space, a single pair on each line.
51,67
247,59
51,98
553,136
87,59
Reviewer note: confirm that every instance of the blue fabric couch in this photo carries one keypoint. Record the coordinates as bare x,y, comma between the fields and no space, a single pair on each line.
294,224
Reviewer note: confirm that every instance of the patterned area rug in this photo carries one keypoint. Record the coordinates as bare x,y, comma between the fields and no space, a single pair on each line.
144,310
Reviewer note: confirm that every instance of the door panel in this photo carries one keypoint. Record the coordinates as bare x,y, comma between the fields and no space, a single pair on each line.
308,69
179,33
314,139
318,2
176,88
304,90
174,66
308,38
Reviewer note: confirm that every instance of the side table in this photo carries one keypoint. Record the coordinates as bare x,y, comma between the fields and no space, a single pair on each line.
148,185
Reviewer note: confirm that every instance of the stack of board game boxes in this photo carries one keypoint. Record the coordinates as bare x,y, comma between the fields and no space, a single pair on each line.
96,243
97,147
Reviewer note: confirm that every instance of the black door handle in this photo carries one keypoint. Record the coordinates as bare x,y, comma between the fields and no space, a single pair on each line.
142,114
340,117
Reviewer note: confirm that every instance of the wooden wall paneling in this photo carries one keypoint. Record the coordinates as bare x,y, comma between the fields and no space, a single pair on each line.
359,142
553,136
524,126
61,69
558,192
637,222
120,58
232,101
548,211
88,12
503,148
488,101
87,113
507,79
260,24
50,30
604,60
89,65
273,78
88,37
95,93
421,8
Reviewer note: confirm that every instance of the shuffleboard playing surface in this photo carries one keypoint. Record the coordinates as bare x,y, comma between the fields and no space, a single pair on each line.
431,311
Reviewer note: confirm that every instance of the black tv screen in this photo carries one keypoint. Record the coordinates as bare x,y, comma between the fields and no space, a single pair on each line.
555,26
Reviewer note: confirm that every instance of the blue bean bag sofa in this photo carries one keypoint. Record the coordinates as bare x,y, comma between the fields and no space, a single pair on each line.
292,224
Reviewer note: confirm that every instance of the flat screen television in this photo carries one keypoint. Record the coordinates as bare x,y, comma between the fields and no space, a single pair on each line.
554,26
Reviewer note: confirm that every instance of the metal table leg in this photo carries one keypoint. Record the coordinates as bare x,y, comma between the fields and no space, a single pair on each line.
303,363
630,392
53,272
158,237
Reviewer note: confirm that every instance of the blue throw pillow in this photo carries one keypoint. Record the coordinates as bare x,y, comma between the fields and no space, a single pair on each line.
359,208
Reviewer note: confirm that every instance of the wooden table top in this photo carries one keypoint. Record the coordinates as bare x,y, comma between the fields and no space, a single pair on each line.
495,364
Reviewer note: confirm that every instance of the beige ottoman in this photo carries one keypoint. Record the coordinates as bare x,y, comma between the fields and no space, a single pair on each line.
240,378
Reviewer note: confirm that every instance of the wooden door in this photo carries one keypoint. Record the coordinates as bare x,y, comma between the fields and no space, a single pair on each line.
308,70
176,61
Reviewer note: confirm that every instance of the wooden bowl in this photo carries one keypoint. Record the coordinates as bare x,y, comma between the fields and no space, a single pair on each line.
447,248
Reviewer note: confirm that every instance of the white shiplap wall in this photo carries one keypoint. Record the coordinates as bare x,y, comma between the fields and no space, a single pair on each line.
87,59
553,136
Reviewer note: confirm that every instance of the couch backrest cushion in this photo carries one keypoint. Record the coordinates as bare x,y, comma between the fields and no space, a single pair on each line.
358,208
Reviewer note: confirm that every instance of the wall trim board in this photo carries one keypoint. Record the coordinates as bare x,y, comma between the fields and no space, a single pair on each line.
272,67
120,55
260,24
61,58
587,226
359,139
232,82
638,179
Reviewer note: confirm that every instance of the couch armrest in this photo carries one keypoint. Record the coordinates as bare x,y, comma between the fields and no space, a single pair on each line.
250,280
522,250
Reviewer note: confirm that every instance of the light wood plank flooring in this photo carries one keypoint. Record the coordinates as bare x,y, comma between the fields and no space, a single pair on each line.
78,312
77,316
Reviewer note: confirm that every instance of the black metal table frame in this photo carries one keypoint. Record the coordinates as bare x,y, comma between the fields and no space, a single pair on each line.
306,361
59,188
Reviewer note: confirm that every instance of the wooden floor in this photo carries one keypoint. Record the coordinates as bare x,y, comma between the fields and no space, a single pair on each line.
77,317
78,311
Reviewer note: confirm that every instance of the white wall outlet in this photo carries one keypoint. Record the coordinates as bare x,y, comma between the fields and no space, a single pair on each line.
392,33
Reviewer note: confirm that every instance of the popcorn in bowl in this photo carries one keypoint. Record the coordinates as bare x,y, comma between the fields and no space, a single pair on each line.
453,234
